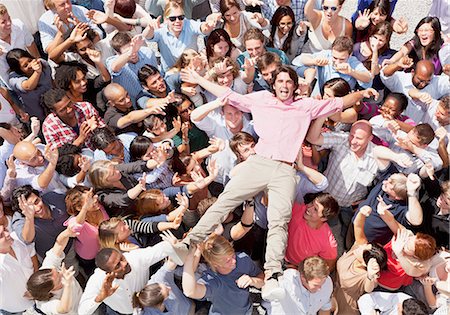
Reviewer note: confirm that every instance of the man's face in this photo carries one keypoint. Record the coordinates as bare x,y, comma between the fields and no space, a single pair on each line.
121,100
40,208
65,109
339,57
225,79
268,72
245,150
284,87
414,138
313,285
314,212
359,139
255,48
115,148
63,8
34,159
5,24
118,263
5,240
442,115
421,79
155,84
233,117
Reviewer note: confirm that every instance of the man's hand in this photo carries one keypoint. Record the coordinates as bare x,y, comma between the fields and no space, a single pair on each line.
403,160
26,208
84,164
382,207
176,123
320,62
35,125
441,133
51,154
216,145
189,76
79,33
97,17
213,168
405,144
373,269
370,92
182,200
425,97
412,184
107,288
59,24
365,211
244,281
400,26
94,55
405,62
67,275
344,68
11,167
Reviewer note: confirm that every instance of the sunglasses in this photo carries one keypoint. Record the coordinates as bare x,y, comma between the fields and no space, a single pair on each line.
326,8
174,18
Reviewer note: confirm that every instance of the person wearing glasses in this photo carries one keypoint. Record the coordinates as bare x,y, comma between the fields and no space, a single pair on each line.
326,25
177,33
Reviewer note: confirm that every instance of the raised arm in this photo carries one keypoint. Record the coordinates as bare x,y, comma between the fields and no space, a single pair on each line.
241,228
314,135
51,155
201,112
312,15
191,288
191,76
415,212
358,224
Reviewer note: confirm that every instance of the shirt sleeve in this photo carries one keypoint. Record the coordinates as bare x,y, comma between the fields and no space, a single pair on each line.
320,108
51,260
358,66
330,252
87,302
16,83
49,307
18,222
305,186
332,140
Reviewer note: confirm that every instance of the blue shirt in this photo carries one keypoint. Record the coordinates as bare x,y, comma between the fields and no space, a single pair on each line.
221,290
127,76
172,47
328,72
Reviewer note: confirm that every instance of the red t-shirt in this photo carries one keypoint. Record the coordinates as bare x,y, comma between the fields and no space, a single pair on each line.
304,241
394,277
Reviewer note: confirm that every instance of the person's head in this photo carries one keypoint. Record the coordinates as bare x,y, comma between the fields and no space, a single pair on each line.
204,205
393,105
189,57
118,97
113,231
174,16
103,173
322,208
360,136
341,50
141,148
423,72
421,135
395,186
152,81
32,197
104,139
15,133
242,144
381,34
421,246
152,295
75,200
43,283
412,307
336,87
267,64
19,61
27,153
56,101
227,78
68,160
121,43
234,119
377,252
331,8
442,113
313,273
285,83
152,202
230,11
155,124
380,11
443,201
283,22
428,33
254,42
218,44
112,260
5,21
62,8
184,107
71,76
219,254
6,240
84,45
125,8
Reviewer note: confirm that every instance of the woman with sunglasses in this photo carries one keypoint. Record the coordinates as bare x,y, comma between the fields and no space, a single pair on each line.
177,33
284,34
326,25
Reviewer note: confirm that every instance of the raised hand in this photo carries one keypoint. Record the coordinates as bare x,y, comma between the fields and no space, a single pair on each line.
258,18
97,17
107,288
185,131
400,241
143,181
79,32
344,68
176,179
94,55
373,269
365,211
405,62
370,92
176,123
405,144
213,168
26,208
221,67
169,237
89,200
11,172
244,281
364,18
182,200
127,247
67,275
136,43
189,76
400,26
35,125
393,126
51,154
36,65
160,155
59,24
403,160
216,144
170,98
426,98
428,281
382,207
413,183
429,169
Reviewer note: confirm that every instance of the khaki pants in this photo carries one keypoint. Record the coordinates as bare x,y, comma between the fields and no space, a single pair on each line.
255,175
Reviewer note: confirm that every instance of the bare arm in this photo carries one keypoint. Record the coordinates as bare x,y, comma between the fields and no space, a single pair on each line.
314,135
358,224
191,76
239,230
415,212
201,112
191,288
312,15
51,155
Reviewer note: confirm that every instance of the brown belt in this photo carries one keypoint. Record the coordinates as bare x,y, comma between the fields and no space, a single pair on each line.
292,164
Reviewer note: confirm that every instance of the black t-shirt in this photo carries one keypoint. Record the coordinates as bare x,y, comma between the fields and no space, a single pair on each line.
112,117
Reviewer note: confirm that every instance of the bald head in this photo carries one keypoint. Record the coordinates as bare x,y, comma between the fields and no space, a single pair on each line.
425,67
117,97
27,153
360,136
364,125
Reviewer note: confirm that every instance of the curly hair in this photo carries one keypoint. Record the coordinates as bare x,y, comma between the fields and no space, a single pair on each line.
66,160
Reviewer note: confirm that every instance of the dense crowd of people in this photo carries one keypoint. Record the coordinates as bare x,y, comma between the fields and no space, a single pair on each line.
223,157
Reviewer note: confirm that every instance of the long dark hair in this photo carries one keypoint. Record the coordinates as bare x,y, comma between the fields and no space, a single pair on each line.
383,6
385,29
215,37
280,13
433,48
13,59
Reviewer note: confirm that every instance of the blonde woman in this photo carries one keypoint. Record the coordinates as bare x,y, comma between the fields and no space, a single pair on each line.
226,281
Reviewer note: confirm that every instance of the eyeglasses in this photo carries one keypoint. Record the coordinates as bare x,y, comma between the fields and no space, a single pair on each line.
286,24
174,18
326,8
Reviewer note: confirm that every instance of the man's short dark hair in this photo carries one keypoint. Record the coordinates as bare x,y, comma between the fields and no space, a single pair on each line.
425,133
66,157
377,252
102,137
119,40
101,260
67,72
414,307
343,43
51,97
145,72
291,72
25,191
330,205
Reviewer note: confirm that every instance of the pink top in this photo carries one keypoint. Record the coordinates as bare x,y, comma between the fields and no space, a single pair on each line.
86,244
290,119
304,241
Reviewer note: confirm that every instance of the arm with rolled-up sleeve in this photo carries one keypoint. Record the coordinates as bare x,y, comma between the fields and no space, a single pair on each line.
88,305
332,140
320,108
245,102
392,82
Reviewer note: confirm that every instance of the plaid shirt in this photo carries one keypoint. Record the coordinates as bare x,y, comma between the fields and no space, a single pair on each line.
348,176
58,132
